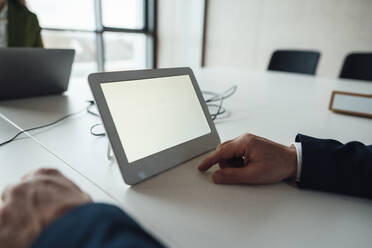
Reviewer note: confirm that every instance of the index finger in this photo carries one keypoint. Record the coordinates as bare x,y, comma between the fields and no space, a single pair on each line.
212,158
209,161
224,151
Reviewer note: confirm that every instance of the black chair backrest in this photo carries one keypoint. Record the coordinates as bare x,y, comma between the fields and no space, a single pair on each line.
304,62
357,66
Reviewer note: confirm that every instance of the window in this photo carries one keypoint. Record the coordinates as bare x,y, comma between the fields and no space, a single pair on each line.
106,34
123,14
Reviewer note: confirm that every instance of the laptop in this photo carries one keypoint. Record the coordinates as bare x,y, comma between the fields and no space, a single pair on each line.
29,72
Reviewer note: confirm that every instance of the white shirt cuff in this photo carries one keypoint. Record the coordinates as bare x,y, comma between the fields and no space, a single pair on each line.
298,147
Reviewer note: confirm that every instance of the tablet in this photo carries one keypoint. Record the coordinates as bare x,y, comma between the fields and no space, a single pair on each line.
154,119
351,103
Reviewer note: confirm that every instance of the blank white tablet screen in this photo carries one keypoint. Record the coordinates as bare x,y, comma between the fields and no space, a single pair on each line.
152,115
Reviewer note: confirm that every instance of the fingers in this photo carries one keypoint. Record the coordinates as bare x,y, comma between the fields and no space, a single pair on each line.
248,175
42,171
212,159
11,189
225,151
12,192
234,162
5,194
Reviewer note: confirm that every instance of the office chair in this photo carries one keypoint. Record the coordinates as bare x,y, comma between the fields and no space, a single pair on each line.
357,66
296,61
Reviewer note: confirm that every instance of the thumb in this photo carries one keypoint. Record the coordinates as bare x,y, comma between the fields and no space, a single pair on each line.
235,175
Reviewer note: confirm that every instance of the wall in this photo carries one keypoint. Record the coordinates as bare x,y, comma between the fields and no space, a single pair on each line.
180,29
246,32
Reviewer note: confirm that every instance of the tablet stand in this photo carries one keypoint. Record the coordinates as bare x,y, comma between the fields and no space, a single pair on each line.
110,156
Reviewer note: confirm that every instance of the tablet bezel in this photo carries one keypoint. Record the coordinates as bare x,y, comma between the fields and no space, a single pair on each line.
144,168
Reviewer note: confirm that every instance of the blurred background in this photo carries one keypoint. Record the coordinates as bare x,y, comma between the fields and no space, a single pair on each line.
129,34
106,34
246,32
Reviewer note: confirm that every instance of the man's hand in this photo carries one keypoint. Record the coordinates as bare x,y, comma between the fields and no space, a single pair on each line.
252,160
40,198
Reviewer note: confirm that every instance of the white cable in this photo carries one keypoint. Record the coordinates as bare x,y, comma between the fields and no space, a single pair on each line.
61,159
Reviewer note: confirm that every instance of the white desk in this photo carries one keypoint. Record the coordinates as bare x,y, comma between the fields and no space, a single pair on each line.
182,207
24,155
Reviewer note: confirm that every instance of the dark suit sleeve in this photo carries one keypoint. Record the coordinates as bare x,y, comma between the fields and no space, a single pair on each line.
95,225
332,166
